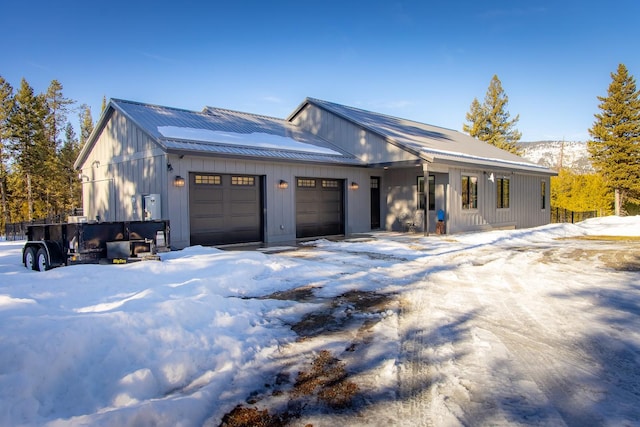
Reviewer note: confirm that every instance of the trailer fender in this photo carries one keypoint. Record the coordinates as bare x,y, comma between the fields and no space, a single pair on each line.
42,255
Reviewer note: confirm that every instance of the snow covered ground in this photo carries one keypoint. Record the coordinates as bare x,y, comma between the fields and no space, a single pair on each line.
522,327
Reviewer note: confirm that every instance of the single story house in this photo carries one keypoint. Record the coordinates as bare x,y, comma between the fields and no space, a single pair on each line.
226,177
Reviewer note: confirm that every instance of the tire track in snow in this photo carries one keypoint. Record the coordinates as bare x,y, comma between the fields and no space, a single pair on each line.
414,376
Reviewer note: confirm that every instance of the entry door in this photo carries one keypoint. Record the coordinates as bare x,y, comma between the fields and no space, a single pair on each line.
375,202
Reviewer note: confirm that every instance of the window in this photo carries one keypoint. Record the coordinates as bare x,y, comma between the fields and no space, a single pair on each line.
247,181
330,183
432,192
208,180
305,182
543,194
469,192
502,195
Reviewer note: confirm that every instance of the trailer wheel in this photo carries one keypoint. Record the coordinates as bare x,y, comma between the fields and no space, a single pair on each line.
30,258
42,260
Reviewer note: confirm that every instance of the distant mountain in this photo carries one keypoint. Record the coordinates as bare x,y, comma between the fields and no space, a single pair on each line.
556,154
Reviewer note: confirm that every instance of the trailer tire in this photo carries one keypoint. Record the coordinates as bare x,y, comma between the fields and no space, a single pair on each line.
42,260
30,258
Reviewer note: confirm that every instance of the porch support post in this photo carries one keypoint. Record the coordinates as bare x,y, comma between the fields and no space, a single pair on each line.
425,172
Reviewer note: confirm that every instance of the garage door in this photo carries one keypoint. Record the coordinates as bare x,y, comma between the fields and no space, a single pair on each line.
319,207
225,209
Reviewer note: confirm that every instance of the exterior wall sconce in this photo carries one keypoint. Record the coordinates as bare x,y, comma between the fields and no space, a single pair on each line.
490,176
283,184
178,181
354,185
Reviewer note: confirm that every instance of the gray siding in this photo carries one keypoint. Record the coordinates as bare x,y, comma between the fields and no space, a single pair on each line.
401,209
401,212
525,206
123,163
365,145
279,203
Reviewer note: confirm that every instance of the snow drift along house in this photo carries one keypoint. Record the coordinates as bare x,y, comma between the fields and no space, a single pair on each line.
224,177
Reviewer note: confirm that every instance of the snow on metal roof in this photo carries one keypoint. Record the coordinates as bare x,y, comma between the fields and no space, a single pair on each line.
429,141
216,130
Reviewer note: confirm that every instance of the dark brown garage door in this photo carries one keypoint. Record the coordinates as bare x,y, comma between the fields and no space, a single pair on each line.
319,207
225,209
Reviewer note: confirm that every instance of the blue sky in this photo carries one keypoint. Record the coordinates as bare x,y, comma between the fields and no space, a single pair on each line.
420,60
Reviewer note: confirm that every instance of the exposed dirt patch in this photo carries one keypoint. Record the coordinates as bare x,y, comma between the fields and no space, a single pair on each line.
242,416
326,379
324,382
302,294
341,311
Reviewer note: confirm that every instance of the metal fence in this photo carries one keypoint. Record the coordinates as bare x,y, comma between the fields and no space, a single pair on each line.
565,215
18,230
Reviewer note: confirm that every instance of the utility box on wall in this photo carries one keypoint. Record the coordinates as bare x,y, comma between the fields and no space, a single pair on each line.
151,207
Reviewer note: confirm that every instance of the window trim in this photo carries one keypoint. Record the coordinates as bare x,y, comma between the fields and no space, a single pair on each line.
243,181
432,193
503,197
306,182
472,199
207,179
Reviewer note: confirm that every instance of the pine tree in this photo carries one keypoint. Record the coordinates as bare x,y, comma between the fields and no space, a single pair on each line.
477,119
57,109
6,108
86,124
491,122
72,196
30,150
104,104
615,148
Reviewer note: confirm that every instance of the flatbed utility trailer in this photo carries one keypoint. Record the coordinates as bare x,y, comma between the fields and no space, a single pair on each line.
54,245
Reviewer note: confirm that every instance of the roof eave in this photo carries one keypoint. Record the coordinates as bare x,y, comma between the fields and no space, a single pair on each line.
102,122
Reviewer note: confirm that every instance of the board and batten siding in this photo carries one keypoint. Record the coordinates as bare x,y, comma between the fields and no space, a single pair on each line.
525,204
279,204
124,164
401,211
365,145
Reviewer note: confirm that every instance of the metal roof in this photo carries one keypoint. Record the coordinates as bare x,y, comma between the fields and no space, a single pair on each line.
432,143
249,128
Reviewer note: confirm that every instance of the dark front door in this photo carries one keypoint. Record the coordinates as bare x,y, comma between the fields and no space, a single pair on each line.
319,207
375,202
224,209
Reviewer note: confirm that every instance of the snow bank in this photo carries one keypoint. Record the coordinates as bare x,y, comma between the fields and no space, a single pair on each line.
184,340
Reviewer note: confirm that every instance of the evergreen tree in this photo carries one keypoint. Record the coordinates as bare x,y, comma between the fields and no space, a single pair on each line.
477,119
6,109
86,124
104,104
72,196
491,122
57,109
615,148
30,150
